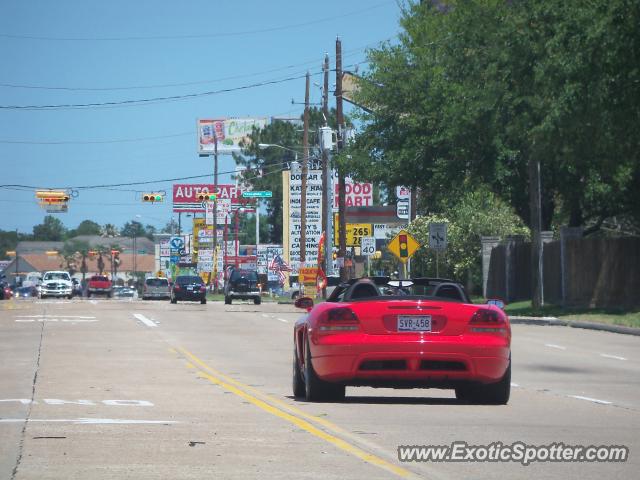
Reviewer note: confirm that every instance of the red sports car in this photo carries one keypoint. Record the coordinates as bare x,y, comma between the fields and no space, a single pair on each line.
418,333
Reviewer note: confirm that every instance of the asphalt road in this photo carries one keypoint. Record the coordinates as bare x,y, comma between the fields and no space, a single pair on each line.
94,389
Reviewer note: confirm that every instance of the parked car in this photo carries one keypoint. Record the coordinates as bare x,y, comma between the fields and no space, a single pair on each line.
26,292
156,287
242,284
188,287
99,285
123,292
428,336
56,283
5,291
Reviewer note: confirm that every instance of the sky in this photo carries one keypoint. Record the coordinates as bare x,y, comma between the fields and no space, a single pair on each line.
72,52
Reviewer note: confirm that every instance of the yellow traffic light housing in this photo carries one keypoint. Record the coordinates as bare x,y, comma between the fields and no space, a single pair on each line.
153,197
206,196
52,197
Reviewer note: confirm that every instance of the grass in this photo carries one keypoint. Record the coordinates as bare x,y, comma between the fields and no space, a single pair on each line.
628,318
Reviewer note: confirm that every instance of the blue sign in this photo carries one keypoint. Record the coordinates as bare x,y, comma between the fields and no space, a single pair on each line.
177,243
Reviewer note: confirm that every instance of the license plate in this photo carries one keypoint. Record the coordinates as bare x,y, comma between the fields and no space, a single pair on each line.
414,323
190,288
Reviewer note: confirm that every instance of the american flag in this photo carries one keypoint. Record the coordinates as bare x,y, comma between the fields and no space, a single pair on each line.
279,266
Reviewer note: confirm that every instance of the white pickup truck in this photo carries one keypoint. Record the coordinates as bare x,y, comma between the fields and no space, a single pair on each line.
56,284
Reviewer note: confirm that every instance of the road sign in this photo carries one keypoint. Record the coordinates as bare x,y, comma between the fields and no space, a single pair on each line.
403,246
176,243
402,209
355,232
438,236
257,194
367,246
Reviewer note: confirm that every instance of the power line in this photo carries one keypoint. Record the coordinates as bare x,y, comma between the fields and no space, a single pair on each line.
188,37
155,100
146,101
182,84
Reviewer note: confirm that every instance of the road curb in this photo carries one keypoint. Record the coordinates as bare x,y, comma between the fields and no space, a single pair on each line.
556,322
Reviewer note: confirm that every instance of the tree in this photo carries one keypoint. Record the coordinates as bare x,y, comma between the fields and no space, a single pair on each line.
74,254
170,227
109,230
476,214
50,230
133,229
475,93
86,227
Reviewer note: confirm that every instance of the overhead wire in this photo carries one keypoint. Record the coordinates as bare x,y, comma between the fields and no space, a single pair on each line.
198,36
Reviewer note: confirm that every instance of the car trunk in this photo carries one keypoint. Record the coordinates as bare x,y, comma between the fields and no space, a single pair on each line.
388,317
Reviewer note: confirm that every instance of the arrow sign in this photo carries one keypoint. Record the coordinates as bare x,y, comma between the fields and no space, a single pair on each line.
438,236
257,194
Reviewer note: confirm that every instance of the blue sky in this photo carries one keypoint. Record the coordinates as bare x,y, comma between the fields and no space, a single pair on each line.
79,52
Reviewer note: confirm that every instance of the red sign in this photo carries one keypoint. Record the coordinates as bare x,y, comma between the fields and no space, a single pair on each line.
185,196
356,194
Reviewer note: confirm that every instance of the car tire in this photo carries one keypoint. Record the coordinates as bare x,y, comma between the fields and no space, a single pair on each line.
316,389
227,300
295,295
492,394
298,381
69,297
88,294
203,301
173,300
257,301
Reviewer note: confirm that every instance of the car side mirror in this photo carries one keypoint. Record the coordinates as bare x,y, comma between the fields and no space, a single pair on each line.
304,302
497,302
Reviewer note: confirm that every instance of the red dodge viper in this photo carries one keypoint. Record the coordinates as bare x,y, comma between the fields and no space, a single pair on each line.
418,333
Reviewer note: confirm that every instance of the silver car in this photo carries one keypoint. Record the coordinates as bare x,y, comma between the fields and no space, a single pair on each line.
156,287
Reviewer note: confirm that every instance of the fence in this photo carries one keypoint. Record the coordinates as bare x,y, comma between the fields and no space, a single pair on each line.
593,272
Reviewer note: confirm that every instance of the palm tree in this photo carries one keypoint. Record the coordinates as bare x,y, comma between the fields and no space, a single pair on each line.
109,230
74,251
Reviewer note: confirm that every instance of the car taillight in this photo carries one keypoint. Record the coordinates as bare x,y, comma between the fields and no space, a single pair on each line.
338,320
488,320
203,288
176,287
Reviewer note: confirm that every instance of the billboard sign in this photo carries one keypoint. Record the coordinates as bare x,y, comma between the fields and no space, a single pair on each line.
228,132
356,194
185,197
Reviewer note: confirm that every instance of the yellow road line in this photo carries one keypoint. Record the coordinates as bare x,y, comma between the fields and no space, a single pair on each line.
242,391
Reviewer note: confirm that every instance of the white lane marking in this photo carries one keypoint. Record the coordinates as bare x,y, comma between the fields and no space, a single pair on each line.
50,316
58,401
265,315
55,319
553,345
87,421
144,320
515,384
589,399
615,357
283,320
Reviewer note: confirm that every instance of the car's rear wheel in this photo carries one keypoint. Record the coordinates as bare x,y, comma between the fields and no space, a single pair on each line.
298,381
203,301
493,394
316,389
257,300
227,300
174,300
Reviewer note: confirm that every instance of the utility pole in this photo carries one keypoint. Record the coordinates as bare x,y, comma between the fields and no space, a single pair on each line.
305,165
537,299
342,227
215,212
327,196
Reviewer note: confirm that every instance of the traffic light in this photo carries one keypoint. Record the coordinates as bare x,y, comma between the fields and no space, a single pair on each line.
206,196
52,197
153,197
404,247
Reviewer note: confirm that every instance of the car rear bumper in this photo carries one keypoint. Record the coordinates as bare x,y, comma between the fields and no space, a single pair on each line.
189,296
390,360
244,295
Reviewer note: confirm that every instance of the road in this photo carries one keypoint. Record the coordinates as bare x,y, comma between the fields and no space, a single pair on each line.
97,389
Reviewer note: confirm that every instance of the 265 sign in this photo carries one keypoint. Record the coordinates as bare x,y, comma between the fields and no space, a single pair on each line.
355,232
